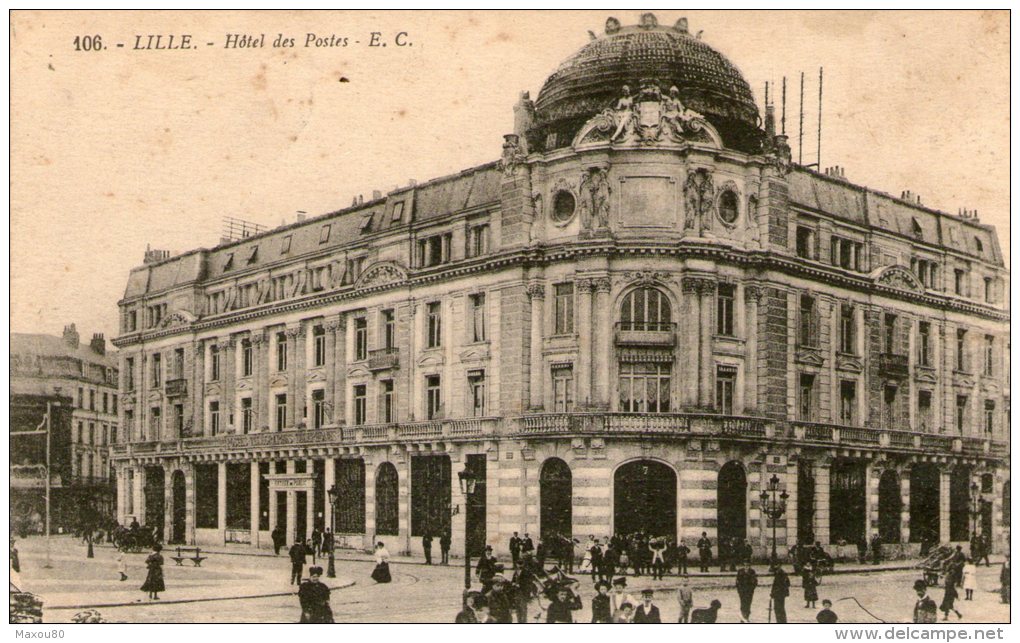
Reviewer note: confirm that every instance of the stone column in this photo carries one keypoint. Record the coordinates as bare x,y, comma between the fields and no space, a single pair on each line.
329,369
339,370
791,502
293,395
254,504
944,476
259,383
752,297
329,479
583,318
536,293
300,388
872,475
905,506
198,390
706,377
168,503
139,493
273,505
189,503
602,342
228,374
291,516
122,492
221,497
310,504
822,501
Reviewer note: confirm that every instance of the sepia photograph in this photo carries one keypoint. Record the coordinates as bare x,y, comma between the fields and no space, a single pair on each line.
456,317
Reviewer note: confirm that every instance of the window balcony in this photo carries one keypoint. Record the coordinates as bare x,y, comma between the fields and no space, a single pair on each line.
177,388
646,334
893,365
383,359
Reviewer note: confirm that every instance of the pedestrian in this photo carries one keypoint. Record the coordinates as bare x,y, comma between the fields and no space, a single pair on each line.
747,581
810,583
682,552
561,608
657,548
317,541
646,611
595,561
619,597
827,616
527,544
925,610
704,615
780,590
278,539
314,598
381,573
685,599
975,546
540,552
515,549
601,611
426,545
297,555
486,568
705,551
500,600
949,602
986,548
444,546
1004,581
121,566
969,579
327,541
468,615
154,577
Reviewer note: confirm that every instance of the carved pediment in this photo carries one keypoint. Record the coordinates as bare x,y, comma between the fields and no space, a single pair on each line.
277,380
897,277
431,359
811,356
316,376
965,381
213,389
475,353
177,318
380,274
244,385
358,371
926,375
850,363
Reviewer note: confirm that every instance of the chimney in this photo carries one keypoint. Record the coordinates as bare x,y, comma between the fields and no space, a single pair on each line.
71,336
98,344
301,215
155,256
412,182
376,195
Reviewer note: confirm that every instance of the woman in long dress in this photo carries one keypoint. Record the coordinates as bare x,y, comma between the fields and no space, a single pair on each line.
969,579
381,573
154,578
810,583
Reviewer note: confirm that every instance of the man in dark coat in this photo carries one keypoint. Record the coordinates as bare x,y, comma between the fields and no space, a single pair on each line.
515,549
780,590
747,581
527,544
297,553
705,551
646,611
486,568
278,539
317,541
682,552
501,600
314,598
925,609
327,541
600,609
426,545
562,607
444,546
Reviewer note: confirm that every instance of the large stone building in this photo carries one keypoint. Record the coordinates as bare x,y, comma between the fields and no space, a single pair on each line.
632,321
81,383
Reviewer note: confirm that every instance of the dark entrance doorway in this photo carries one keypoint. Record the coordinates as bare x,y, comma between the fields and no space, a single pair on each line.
924,503
180,509
890,505
301,520
430,494
644,499
476,505
986,518
155,503
805,503
847,498
555,500
732,503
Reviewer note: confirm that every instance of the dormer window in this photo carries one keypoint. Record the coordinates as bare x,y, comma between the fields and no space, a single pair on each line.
366,223
285,245
978,245
254,254
915,228
229,263
324,233
398,211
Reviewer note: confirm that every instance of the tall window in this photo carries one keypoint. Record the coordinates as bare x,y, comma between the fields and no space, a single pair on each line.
989,355
281,411
387,401
959,281
319,341
725,383
807,395
106,402
961,349
360,404
988,290
433,397
318,408
846,253
129,375
476,390
129,425
924,416
281,351
924,344
644,387
961,412
214,363
434,250
889,410
646,309
178,363
847,401
989,416
805,242
360,338
847,336
178,420
155,422
724,310
157,370
564,310
478,240
214,417
807,333
563,389
247,358
889,333
247,418
477,317
389,329
435,325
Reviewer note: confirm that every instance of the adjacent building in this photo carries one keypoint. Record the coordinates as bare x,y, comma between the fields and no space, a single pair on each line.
633,321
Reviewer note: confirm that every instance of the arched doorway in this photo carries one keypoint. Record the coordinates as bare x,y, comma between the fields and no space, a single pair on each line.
847,495
731,504
959,504
644,499
555,500
180,509
155,501
924,503
890,505
387,494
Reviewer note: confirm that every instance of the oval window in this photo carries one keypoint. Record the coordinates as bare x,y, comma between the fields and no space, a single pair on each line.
728,207
563,206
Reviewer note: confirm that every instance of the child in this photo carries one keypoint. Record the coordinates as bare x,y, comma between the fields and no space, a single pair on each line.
685,597
827,616
949,602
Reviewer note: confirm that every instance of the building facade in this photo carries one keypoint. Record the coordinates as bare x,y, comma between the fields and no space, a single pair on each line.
83,380
632,321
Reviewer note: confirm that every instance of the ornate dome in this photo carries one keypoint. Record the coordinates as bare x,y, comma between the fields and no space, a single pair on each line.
592,79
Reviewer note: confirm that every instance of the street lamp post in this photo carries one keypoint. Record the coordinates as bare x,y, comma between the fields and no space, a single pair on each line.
334,496
467,487
773,504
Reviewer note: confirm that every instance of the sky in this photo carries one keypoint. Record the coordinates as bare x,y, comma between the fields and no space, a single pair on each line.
117,149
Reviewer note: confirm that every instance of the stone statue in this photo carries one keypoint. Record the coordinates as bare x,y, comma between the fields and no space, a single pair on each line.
593,203
676,116
624,114
699,201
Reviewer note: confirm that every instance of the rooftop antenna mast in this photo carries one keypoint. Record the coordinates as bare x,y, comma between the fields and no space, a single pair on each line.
800,134
783,121
819,119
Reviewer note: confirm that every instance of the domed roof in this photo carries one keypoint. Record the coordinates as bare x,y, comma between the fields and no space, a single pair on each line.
592,79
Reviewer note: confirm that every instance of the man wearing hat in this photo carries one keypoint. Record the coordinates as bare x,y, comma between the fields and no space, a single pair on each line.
925,609
646,611
601,611
561,608
747,581
486,568
500,599
619,595
314,598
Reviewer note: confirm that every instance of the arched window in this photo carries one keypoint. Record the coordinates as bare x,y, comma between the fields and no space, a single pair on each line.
646,309
555,500
387,492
